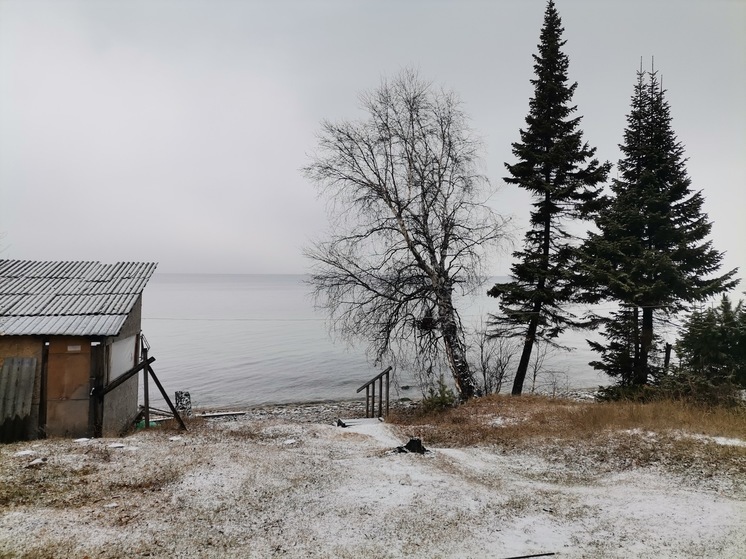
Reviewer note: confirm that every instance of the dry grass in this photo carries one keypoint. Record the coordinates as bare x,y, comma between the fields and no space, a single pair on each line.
613,435
503,419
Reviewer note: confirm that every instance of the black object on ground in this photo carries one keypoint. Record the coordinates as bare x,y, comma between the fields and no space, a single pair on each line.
414,445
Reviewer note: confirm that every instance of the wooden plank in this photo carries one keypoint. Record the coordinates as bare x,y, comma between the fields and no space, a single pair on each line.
221,414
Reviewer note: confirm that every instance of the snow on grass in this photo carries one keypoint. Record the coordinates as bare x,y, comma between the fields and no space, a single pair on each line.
240,489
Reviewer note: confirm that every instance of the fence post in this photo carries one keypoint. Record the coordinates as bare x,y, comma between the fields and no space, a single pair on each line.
387,392
380,396
145,388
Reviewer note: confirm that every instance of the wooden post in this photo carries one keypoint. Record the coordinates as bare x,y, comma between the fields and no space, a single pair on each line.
387,393
380,396
667,358
373,400
168,400
145,388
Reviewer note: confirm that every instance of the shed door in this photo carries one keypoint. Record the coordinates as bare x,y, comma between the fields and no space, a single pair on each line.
68,386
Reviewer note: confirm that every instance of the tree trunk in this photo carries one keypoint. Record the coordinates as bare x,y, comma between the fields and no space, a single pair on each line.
462,375
636,362
646,342
455,349
528,345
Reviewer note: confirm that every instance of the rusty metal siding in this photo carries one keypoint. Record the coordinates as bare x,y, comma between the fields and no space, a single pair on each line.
68,298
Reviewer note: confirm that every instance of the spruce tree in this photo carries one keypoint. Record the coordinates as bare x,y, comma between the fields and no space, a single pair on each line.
557,167
651,251
712,344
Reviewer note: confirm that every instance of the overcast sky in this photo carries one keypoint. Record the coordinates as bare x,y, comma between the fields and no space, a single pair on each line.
174,130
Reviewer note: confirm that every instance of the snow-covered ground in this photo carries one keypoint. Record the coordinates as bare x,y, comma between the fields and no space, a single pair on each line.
271,488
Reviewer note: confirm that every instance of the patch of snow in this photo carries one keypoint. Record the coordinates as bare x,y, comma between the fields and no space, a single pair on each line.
723,441
36,462
25,453
380,432
497,421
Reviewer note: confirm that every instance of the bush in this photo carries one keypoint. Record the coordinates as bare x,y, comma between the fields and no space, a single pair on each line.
698,389
438,398
628,393
680,385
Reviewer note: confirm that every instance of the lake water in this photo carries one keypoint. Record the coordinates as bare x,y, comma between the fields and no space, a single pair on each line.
241,340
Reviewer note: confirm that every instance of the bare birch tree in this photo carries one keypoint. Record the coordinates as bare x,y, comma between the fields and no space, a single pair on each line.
409,225
494,356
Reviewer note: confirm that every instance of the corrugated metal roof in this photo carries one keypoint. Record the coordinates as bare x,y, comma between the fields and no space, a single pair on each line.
68,298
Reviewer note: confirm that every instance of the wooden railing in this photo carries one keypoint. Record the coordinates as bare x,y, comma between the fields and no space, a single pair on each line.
370,394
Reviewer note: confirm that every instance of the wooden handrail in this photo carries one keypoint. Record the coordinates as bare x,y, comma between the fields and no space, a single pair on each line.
374,379
370,394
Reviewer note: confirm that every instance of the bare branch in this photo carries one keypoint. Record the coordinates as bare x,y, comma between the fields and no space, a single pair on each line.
410,223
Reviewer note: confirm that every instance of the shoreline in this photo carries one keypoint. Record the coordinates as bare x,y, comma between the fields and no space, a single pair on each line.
328,411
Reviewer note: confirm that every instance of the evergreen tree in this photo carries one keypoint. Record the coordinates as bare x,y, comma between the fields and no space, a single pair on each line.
650,252
558,169
712,344
617,356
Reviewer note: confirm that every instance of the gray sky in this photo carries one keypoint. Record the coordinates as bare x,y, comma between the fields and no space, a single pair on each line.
174,130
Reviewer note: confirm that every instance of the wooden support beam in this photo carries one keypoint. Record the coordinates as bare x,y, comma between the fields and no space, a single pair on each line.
165,397
101,392
145,388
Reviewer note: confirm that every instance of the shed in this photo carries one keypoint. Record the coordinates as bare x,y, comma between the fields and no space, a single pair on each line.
67,329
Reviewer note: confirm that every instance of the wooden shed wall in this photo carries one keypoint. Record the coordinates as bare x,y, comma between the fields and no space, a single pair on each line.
120,405
73,367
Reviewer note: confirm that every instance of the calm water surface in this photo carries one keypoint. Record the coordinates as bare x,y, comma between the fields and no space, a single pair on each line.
240,340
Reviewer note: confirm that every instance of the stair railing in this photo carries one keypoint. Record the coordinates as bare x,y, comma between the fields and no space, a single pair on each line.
370,394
